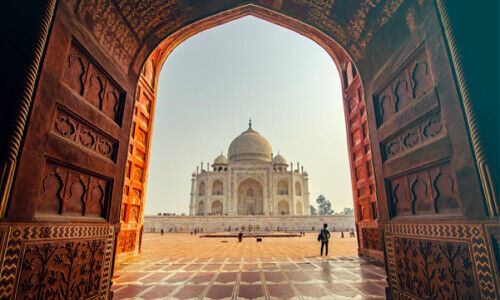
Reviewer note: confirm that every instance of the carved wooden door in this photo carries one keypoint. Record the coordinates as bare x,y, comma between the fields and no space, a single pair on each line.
68,187
433,213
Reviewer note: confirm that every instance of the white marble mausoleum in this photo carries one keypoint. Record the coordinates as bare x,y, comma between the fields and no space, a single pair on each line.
250,181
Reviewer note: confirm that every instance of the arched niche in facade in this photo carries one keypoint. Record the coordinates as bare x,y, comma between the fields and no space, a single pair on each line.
283,208
250,197
282,187
298,189
217,188
217,208
298,208
201,189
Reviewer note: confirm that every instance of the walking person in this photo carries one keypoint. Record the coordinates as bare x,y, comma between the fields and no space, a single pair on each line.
324,236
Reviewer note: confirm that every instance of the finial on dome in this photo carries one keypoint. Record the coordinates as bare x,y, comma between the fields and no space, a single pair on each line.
250,123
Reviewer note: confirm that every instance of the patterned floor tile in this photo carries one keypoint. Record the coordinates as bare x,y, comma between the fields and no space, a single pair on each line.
251,291
159,291
167,270
190,292
281,291
220,292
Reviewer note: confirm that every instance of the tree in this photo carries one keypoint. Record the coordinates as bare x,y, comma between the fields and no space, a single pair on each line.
314,211
348,211
324,206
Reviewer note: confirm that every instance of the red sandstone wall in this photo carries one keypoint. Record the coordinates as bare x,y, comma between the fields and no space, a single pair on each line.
363,182
134,189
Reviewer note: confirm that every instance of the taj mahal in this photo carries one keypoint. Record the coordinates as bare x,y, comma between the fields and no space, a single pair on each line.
249,181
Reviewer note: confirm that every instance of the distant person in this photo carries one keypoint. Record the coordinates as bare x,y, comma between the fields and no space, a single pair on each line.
342,234
352,233
162,231
323,237
240,237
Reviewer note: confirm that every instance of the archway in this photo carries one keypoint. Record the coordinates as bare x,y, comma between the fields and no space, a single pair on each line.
201,188
250,197
282,187
298,208
217,208
412,121
283,207
217,187
298,189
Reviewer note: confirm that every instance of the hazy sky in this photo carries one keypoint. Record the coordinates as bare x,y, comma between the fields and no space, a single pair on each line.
212,83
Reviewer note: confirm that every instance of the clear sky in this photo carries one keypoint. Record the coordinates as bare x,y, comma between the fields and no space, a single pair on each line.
213,82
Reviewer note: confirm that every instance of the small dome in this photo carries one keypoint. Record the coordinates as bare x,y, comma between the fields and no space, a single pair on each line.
250,145
220,160
279,160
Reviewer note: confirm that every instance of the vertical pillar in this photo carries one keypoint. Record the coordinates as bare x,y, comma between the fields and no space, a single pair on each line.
192,205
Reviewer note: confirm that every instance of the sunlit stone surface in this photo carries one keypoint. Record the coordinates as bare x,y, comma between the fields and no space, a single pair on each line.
181,266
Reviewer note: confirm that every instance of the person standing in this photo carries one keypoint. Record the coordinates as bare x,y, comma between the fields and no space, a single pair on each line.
324,236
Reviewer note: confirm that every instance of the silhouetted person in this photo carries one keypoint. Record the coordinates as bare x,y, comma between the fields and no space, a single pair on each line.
324,236
240,237
342,234
162,231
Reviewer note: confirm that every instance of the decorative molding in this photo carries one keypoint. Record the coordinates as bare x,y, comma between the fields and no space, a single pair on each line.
447,236
63,248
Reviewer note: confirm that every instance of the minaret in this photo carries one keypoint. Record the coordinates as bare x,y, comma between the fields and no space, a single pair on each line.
192,205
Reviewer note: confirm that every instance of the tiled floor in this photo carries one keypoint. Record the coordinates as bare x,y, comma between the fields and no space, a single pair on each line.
156,274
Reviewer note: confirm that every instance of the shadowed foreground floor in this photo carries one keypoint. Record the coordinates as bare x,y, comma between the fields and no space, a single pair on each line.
180,266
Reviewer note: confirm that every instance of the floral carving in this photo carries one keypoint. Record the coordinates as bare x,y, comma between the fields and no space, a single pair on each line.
432,127
411,139
71,270
65,126
83,133
371,238
434,270
104,147
426,130
86,137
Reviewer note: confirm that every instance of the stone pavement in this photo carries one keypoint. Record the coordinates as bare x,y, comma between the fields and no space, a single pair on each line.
179,266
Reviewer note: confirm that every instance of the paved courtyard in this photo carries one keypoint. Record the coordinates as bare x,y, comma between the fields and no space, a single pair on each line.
181,266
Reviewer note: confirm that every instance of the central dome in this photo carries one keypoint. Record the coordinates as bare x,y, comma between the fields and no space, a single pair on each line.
250,145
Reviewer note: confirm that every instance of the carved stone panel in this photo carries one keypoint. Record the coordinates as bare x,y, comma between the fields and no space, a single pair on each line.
67,192
72,128
69,262
428,191
126,241
371,238
88,80
432,269
424,131
405,87
439,261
